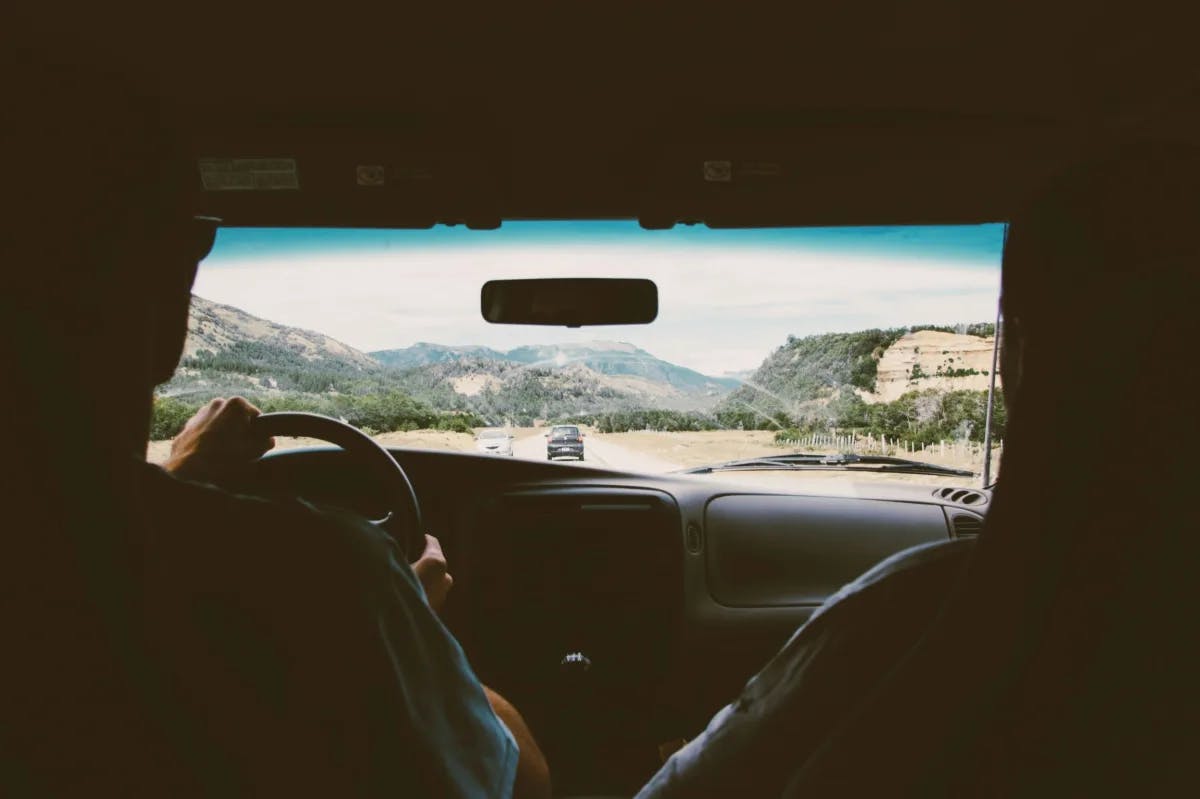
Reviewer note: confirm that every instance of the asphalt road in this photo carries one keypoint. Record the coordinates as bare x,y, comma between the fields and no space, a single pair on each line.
597,451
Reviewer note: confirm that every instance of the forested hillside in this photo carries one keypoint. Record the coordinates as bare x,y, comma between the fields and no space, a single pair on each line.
504,392
816,368
623,368
229,351
832,381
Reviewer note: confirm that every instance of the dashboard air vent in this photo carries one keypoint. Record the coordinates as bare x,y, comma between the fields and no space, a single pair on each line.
961,496
966,526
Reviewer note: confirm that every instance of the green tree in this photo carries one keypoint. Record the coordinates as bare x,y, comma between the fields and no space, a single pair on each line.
168,417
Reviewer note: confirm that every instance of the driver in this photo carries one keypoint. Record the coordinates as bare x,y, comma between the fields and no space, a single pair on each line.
217,440
174,639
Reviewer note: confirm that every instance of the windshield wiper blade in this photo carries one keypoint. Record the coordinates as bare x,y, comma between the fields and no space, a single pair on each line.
844,461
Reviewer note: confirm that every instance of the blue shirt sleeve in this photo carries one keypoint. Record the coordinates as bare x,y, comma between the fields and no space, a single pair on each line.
750,746
435,731
301,651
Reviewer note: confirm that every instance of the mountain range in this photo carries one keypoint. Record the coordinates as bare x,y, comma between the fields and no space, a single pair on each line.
231,351
611,358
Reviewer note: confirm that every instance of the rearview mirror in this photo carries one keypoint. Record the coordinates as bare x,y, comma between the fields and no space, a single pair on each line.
572,302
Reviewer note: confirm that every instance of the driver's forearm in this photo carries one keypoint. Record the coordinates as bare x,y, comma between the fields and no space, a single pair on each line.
533,775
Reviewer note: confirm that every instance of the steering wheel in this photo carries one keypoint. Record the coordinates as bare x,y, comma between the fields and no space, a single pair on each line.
403,521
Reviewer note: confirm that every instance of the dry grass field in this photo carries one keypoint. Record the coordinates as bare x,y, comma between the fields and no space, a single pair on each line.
715,446
649,451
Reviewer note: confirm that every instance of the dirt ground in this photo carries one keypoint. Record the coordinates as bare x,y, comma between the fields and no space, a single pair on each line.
715,446
158,451
698,449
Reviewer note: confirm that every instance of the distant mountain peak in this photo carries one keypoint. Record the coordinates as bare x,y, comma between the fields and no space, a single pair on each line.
601,344
623,366
424,353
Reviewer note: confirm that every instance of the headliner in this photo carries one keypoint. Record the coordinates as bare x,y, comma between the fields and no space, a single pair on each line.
879,113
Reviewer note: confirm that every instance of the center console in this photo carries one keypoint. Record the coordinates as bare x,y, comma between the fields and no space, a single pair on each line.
578,597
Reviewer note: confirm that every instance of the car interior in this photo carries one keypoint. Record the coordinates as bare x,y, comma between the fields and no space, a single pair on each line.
619,610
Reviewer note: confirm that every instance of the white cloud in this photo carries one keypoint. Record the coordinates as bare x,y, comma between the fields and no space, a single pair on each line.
721,309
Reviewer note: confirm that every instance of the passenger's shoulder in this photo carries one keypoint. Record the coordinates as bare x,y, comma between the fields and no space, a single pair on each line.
926,568
934,556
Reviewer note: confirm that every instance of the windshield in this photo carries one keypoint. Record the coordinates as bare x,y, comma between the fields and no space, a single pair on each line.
866,341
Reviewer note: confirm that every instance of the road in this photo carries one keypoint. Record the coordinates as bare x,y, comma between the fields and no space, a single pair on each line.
598,452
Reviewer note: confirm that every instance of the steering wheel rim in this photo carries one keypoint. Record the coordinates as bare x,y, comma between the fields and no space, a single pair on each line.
402,523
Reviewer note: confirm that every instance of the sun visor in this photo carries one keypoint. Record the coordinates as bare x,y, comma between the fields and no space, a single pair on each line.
349,171
829,169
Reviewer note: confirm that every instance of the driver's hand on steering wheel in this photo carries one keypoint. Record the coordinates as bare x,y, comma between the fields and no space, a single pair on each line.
430,569
217,442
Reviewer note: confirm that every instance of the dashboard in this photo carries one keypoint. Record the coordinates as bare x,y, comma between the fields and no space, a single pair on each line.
619,611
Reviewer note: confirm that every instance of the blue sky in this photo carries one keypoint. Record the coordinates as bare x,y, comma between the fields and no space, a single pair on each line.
727,297
980,243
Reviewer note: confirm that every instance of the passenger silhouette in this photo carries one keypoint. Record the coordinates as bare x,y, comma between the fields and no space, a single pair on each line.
1051,656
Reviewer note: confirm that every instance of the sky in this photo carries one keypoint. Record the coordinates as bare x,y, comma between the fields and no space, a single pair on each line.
727,298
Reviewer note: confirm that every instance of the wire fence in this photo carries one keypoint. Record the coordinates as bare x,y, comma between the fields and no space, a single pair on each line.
897,447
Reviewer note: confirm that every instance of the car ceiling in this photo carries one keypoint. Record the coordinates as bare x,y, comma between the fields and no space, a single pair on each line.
868,113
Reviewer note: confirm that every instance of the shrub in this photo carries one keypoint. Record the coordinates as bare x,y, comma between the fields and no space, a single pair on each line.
788,434
655,419
169,416
925,417
456,423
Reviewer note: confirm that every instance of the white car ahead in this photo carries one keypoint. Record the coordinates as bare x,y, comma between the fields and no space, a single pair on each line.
494,442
